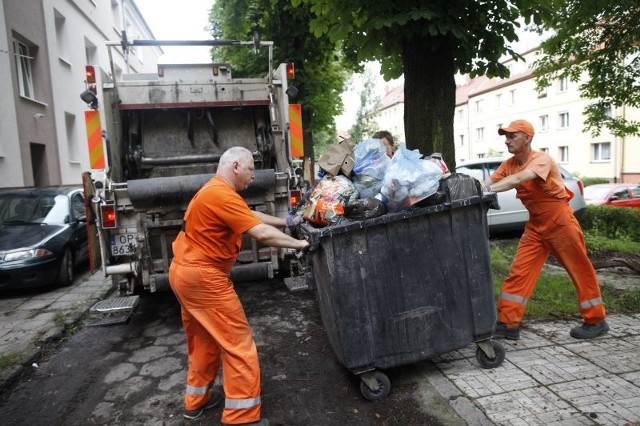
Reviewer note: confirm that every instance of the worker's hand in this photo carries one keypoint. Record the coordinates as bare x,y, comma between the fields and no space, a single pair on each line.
293,220
311,246
487,188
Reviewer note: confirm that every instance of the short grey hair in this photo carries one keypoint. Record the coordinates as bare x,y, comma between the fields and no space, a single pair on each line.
236,153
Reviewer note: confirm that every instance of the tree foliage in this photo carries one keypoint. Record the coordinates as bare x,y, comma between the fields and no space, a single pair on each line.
428,42
320,77
599,40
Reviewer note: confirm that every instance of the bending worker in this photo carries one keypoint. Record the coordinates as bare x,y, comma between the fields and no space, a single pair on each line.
212,315
552,228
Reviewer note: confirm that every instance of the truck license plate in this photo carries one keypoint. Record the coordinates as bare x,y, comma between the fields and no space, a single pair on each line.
123,244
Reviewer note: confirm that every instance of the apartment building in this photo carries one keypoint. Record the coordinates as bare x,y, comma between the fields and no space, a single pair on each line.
44,48
483,105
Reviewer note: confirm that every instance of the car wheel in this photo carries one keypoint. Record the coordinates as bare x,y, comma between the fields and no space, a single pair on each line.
65,271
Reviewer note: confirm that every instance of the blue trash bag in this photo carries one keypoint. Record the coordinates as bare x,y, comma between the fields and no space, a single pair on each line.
370,165
409,179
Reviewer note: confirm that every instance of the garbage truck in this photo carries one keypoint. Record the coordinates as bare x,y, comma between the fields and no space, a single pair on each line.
163,134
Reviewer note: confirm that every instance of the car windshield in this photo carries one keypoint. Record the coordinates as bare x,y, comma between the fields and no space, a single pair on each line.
596,192
21,209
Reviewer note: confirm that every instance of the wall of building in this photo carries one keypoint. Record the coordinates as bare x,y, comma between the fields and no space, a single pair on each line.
66,35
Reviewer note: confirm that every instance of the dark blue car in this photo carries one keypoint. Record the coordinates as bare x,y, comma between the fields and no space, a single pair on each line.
43,236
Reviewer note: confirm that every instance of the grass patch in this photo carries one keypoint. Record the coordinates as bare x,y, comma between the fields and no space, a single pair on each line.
555,295
598,242
8,361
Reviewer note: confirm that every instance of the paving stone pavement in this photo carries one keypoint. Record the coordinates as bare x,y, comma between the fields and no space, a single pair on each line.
547,378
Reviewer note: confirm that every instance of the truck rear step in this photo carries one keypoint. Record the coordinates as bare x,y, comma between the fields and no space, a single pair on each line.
113,311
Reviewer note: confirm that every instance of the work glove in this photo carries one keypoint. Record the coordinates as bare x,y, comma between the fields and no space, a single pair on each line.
293,220
313,245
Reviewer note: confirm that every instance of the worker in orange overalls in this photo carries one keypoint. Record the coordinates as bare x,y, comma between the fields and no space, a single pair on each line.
552,228
212,315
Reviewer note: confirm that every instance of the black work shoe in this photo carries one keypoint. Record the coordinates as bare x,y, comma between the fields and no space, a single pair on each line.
215,400
261,422
589,331
504,332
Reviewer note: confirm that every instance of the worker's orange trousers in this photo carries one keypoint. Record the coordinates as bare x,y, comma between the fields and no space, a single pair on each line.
555,231
217,330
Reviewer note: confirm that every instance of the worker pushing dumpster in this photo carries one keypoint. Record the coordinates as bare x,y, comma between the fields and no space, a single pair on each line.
407,286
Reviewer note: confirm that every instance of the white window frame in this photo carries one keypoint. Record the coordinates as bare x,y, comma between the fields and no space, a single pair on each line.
512,97
480,134
62,42
544,123
499,101
563,154
563,120
601,151
480,106
24,69
563,84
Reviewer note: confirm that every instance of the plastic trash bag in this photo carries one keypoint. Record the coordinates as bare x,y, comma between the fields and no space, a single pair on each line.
364,208
371,162
327,200
409,179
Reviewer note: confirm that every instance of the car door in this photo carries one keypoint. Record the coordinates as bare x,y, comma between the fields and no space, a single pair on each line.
78,222
621,197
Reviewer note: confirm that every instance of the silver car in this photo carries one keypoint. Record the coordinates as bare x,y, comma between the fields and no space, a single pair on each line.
512,215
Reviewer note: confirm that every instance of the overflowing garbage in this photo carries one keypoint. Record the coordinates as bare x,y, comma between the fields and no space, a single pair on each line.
361,181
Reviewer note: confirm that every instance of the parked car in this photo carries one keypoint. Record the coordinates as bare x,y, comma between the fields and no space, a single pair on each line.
512,215
613,194
43,236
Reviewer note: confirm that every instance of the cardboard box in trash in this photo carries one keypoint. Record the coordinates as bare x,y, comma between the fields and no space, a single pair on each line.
338,158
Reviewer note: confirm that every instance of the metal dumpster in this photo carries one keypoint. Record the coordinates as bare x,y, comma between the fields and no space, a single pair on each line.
407,286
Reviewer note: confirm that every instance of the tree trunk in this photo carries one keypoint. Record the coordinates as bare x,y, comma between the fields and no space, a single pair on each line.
429,96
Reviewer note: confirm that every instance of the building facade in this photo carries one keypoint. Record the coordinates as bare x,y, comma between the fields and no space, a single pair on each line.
483,105
44,48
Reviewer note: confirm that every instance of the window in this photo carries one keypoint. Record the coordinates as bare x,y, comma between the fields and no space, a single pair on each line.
90,52
72,138
499,101
544,123
480,133
512,97
461,115
563,153
461,139
480,106
563,83
601,151
61,35
544,150
608,112
24,61
563,120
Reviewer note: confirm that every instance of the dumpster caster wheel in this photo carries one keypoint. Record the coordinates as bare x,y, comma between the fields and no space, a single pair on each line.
490,354
375,385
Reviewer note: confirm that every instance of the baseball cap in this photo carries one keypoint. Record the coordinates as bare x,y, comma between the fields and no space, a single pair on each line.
518,126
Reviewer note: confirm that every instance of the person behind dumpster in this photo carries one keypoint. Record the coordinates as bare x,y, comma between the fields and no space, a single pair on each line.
551,228
387,141
212,316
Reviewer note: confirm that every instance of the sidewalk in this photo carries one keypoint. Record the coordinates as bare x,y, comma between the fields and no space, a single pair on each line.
550,378
36,317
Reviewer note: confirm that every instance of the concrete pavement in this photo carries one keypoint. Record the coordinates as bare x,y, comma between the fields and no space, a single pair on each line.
29,319
547,376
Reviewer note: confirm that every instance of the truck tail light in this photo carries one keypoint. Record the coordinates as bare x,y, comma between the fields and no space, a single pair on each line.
294,198
108,213
90,74
291,71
